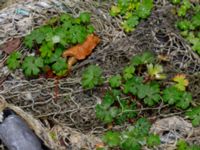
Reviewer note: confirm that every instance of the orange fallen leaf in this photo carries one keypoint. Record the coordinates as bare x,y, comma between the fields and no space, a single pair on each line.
81,51
99,145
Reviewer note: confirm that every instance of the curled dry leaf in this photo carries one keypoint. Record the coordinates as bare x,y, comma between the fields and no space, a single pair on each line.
11,46
81,51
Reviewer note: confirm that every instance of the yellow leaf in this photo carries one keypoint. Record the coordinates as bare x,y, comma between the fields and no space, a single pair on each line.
181,81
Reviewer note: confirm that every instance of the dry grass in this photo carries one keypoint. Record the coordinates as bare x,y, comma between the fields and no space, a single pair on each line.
6,3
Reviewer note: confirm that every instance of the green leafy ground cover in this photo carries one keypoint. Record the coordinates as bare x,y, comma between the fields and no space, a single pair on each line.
132,11
183,145
133,138
48,42
143,81
189,22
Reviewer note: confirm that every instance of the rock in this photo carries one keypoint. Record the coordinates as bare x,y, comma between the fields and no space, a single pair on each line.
171,129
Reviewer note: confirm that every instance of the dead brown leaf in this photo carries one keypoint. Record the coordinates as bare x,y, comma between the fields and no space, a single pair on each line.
11,45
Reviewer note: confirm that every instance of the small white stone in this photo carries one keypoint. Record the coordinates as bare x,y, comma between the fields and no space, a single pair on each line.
31,54
56,39
5,70
28,96
43,4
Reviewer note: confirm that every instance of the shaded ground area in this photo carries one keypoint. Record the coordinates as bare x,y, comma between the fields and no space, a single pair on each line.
70,106
6,3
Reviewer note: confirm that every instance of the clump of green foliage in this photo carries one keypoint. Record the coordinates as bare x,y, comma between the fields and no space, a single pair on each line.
132,12
13,61
32,65
194,115
189,22
115,108
133,138
141,82
143,86
183,6
91,77
49,41
182,145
